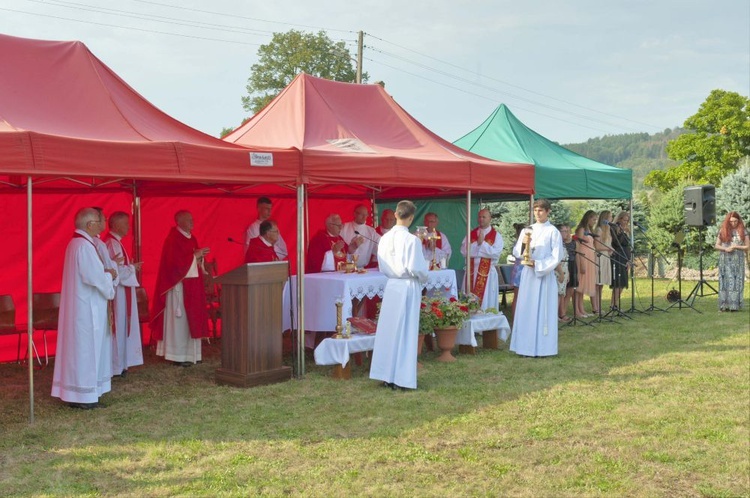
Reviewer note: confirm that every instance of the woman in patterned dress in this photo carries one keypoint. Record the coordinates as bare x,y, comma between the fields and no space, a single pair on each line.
732,243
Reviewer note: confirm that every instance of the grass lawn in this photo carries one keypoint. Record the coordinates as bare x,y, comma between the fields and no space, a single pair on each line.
654,406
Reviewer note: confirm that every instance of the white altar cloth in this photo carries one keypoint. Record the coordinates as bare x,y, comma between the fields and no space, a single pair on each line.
481,322
322,290
337,351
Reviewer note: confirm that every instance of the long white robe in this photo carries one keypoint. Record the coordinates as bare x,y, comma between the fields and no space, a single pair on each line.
394,356
535,322
83,362
440,252
491,298
254,231
365,250
177,344
127,349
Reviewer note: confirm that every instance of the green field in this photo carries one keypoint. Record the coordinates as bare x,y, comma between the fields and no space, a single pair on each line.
654,406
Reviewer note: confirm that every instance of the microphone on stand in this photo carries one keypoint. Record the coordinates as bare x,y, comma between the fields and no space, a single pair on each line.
365,236
589,234
230,239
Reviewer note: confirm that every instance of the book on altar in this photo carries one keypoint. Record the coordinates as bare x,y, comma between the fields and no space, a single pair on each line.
363,325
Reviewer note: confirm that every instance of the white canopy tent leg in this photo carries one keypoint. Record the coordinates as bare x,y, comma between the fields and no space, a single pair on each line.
300,363
467,276
29,298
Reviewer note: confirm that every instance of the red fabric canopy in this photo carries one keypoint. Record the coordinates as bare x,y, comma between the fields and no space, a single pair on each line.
358,135
64,112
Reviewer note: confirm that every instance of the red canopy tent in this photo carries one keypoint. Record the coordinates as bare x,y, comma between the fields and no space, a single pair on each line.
71,129
356,138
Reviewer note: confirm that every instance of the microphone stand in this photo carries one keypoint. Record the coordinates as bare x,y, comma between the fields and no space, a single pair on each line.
653,267
575,319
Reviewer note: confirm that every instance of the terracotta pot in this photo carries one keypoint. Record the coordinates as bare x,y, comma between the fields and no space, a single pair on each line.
446,339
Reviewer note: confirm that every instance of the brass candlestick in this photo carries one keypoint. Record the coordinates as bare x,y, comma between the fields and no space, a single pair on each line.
339,328
526,253
432,238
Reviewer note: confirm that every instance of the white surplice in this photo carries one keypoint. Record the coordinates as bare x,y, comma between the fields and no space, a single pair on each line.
127,349
394,357
491,298
83,362
365,250
254,231
535,322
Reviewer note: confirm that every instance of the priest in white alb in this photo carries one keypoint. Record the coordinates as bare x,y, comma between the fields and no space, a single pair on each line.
486,246
394,356
127,349
535,325
83,359
357,232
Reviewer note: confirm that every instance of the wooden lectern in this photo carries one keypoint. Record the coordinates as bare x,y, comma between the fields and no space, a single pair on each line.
251,325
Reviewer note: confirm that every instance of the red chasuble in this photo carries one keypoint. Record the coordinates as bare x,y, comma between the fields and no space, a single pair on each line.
480,282
176,259
320,244
260,252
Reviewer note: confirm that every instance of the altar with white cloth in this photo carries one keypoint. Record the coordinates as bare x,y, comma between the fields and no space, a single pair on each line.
494,326
322,290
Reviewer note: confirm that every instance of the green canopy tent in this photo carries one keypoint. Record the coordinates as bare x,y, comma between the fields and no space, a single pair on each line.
560,173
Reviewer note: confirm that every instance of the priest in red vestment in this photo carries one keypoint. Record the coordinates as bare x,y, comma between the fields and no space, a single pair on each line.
327,248
179,313
261,249
387,221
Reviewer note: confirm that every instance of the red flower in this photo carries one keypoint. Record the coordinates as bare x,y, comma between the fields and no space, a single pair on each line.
465,309
423,305
453,299
438,313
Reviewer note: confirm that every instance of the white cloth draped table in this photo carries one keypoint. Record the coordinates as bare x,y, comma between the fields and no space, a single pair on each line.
322,290
481,322
337,351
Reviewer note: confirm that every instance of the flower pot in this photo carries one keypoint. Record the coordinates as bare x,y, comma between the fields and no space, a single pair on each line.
446,339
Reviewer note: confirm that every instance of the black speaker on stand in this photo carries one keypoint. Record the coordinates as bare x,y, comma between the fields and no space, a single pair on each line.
700,212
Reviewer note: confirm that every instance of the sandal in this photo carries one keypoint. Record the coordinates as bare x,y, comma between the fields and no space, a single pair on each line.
564,318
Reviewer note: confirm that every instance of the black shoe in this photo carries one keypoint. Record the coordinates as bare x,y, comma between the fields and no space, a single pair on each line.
84,406
387,384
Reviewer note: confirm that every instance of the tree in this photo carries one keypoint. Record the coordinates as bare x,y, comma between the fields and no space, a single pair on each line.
292,53
720,140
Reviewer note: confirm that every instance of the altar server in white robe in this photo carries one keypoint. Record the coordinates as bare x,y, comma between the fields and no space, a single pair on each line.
486,247
83,361
535,322
127,350
394,356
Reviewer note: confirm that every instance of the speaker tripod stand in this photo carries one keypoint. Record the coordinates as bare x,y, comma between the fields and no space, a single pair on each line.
680,302
698,289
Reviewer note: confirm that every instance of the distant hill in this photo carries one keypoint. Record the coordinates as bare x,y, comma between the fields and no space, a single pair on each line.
639,152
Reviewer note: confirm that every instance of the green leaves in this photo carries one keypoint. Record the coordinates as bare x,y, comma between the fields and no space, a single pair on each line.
720,139
292,53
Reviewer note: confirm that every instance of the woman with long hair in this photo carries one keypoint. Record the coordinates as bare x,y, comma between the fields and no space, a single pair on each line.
620,257
586,264
603,245
732,243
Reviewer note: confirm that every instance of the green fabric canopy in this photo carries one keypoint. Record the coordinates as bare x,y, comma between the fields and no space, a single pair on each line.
560,173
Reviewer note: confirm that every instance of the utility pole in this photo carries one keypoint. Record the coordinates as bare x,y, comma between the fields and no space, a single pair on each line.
360,39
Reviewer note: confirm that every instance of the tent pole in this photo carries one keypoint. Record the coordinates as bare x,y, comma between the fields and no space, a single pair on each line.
531,209
300,282
467,277
137,233
632,258
29,299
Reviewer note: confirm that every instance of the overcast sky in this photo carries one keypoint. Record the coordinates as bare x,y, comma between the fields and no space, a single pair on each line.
571,70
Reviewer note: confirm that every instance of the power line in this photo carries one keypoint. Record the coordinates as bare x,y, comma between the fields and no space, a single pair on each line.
483,96
493,89
130,27
513,85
